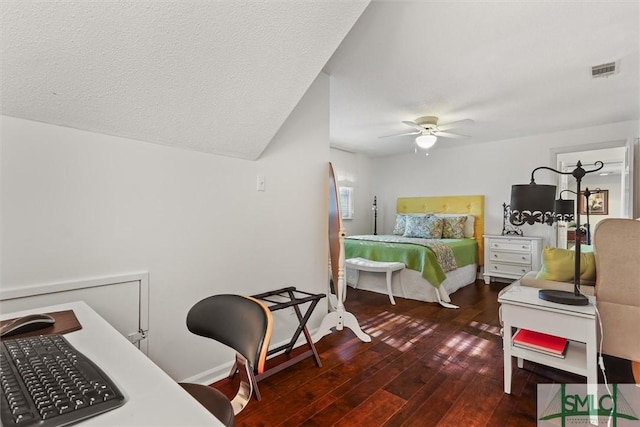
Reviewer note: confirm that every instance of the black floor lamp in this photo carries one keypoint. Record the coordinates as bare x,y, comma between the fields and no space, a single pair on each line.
374,208
532,203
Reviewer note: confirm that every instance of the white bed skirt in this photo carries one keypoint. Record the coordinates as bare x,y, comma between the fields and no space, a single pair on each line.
413,285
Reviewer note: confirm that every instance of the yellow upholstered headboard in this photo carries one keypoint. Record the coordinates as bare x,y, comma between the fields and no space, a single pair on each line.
470,205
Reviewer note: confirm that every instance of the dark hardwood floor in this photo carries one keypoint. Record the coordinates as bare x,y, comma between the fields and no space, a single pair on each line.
426,366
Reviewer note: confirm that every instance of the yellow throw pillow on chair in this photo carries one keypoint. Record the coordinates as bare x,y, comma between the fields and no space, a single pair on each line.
559,265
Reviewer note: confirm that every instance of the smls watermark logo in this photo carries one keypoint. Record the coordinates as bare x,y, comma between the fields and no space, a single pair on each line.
615,405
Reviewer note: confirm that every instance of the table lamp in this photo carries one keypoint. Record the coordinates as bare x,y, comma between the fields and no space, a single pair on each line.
564,208
535,203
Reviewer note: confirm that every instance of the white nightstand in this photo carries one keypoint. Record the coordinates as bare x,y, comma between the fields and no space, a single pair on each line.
520,307
510,257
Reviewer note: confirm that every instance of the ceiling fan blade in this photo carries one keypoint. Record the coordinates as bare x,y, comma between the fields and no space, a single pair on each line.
456,124
400,134
413,125
449,135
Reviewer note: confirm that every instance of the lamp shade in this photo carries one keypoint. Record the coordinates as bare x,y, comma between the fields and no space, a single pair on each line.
426,141
533,197
532,203
564,209
563,206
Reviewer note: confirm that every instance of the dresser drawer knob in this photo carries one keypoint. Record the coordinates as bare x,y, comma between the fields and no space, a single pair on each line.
495,266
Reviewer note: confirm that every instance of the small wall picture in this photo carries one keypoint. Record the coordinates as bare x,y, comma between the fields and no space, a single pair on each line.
598,203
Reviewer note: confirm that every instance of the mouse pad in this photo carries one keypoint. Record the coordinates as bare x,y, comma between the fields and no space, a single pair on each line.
66,321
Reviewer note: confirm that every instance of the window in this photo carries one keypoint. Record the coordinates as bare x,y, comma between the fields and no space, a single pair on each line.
346,202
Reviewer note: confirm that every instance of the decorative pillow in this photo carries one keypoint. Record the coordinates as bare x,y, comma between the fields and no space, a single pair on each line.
559,265
400,225
401,222
453,227
426,227
469,225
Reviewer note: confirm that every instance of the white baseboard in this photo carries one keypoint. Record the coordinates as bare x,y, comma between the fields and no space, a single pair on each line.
220,372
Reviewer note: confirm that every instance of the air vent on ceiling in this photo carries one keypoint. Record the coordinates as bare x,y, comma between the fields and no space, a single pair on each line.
603,70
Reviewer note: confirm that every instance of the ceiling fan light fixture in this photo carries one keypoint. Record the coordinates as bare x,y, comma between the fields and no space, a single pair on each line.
426,141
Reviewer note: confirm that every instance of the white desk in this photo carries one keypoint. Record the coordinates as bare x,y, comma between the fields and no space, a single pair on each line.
152,397
521,308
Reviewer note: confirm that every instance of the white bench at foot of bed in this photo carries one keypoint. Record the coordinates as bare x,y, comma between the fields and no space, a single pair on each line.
362,264
410,284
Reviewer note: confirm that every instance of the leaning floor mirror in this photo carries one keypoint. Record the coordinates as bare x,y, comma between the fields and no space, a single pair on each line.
337,317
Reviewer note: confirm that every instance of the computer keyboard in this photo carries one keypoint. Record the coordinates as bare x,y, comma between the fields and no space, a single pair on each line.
46,382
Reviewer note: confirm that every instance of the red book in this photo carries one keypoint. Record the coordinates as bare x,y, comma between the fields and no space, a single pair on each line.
539,341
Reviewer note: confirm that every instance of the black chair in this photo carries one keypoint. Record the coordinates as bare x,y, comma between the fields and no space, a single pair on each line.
244,324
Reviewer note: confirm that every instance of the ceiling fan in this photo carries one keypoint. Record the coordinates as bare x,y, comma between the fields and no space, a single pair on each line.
428,130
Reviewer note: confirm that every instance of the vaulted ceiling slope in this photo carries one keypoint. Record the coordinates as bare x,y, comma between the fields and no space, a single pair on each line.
214,76
516,67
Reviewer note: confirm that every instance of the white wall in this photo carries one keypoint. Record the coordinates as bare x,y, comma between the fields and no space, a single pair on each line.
77,204
489,169
355,170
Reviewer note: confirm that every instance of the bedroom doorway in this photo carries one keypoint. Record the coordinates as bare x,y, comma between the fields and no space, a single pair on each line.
614,182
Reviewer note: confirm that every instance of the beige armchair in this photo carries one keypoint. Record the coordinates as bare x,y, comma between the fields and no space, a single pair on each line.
617,250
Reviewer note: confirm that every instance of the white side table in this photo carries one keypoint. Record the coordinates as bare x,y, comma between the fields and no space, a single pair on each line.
521,308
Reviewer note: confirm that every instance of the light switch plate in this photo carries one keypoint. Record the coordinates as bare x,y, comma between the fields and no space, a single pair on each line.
260,183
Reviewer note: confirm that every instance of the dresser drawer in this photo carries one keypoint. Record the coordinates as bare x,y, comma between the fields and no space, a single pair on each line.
513,257
510,245
511,269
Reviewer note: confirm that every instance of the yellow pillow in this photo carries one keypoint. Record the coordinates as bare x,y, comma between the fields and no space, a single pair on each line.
559,265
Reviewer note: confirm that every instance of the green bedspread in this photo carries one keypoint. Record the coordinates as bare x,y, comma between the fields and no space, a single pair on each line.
415,257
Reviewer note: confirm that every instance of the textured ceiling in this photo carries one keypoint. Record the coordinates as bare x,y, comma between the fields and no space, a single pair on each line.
222,76
214,76
516,68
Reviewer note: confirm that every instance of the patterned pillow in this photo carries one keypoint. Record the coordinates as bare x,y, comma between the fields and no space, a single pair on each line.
427,227
401,221
469,225
400,225
454,227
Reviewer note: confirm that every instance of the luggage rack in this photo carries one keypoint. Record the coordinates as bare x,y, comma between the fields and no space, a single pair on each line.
285,298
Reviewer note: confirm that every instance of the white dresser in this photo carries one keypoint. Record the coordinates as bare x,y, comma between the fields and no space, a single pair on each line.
510,257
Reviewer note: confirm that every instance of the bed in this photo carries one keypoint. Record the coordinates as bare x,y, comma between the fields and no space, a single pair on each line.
430,274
